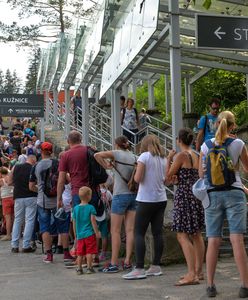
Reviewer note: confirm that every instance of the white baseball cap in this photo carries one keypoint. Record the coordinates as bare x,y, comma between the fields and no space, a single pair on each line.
200,192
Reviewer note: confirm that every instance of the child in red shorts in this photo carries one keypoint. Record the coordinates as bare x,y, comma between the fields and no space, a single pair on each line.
86,230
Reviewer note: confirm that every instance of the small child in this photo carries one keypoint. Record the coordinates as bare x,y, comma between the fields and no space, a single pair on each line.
102,222
86,230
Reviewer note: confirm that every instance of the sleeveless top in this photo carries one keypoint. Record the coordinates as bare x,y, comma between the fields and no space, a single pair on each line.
6,190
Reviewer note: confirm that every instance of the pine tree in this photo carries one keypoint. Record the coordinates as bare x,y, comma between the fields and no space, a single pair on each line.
12,83
31,78
1,81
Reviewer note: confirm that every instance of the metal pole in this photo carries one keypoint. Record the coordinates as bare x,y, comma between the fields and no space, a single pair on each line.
85,116
247,87
115,114
97,93
47,107
134,90
191,96
167,96
187,100
67,112
55,109
42,130
151,102
175,69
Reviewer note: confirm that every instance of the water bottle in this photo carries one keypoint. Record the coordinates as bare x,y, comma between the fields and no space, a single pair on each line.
204,168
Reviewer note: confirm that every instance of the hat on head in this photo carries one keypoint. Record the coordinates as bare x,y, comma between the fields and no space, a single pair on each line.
200,192
46,146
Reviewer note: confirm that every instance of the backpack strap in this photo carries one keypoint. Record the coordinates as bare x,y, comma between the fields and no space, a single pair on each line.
228,141
209,144
136,112
205,125
123,114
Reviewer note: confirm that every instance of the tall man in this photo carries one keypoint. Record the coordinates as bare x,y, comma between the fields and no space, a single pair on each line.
207,125
25,205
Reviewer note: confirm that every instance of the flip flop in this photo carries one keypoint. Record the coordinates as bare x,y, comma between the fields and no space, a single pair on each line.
187,282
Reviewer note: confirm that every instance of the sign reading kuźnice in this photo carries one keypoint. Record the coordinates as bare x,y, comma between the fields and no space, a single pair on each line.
22,105
222,32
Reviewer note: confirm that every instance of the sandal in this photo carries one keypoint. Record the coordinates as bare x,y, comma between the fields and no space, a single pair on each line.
200,276
184,282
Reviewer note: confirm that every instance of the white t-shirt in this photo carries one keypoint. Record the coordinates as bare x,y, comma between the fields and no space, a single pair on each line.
66,197
234,151
152,188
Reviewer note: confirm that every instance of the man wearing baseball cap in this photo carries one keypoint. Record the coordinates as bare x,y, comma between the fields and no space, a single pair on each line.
46,206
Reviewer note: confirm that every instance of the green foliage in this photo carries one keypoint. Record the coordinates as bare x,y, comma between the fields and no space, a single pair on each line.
142,97
207,3
230,87
241,112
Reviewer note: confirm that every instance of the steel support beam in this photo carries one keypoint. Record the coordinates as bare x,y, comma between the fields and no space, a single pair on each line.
85,115
167,96
47,107
191,96
151,99
67,112
115,114
42,130
134,89
97,92
247,87
199,75
55,109
186,91
175,68
124,90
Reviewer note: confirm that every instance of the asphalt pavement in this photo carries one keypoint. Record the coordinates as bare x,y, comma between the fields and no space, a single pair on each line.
26,277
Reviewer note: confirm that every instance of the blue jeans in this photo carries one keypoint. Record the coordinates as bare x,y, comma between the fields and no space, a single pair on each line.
25,211
230,204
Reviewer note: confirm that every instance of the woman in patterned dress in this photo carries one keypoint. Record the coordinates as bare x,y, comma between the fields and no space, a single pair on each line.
188,214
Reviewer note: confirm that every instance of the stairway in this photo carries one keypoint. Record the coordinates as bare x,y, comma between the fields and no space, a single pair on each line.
57,138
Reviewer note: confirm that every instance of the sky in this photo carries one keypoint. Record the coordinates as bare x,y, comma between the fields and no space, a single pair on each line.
10,57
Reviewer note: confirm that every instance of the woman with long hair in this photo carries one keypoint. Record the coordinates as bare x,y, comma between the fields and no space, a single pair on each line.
188,214
229,202
152,200
122,161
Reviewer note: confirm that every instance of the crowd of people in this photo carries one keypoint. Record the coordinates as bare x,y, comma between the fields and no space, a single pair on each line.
61,197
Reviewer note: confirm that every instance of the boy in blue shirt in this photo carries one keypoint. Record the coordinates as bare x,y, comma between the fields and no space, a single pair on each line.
207,125
86,230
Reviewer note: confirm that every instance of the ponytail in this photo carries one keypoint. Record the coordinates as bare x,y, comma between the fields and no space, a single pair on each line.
226,120
221,133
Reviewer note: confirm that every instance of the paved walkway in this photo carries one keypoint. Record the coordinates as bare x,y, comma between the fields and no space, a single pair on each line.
25,277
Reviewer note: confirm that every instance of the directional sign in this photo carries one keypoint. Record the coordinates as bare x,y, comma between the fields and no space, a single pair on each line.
21,105
222,32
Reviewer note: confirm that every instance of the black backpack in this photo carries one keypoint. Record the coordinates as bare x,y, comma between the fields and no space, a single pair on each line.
97,174
50,178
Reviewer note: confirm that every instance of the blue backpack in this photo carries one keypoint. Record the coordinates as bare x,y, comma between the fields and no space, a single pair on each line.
220,170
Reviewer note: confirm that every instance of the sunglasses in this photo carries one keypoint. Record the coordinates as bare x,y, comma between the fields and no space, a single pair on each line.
215,108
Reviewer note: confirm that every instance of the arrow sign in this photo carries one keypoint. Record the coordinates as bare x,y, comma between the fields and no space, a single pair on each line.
10,110
222,32
218,33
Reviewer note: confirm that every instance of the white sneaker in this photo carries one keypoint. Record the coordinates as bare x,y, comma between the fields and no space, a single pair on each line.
135,274
154,271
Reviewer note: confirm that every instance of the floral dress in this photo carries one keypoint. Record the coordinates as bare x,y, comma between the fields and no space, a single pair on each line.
188,213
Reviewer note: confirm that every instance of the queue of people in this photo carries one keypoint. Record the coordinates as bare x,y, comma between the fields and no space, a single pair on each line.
82,210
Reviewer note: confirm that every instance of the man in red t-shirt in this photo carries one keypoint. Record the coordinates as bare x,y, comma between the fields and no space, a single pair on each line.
74,162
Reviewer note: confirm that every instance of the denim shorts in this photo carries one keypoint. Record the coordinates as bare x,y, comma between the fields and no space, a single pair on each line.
103,228
63,226
48,223
231,205
122,203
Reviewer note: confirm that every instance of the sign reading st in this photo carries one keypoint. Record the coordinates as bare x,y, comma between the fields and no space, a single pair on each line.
21,105
222,32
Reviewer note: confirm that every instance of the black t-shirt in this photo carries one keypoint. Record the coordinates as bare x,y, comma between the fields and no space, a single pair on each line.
16,143
21,176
